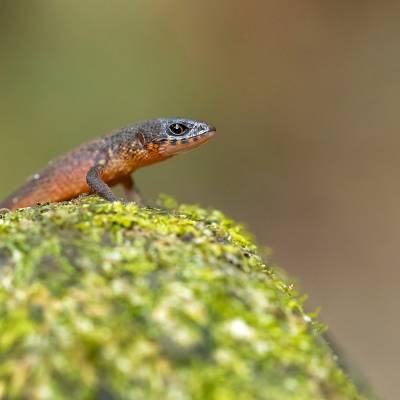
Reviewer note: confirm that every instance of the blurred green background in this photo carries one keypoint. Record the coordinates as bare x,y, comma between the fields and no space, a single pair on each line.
305,97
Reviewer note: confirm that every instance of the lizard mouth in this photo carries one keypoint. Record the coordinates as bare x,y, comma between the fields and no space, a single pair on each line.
176,146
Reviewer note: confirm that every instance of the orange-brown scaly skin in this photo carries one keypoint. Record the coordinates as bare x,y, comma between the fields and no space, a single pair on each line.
115,157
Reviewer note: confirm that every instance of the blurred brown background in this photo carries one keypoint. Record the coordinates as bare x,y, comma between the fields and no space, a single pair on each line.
305,96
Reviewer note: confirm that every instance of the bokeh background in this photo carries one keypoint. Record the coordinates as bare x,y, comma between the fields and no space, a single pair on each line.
305,96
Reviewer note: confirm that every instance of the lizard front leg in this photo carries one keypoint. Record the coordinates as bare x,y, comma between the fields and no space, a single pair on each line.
131,190
97,185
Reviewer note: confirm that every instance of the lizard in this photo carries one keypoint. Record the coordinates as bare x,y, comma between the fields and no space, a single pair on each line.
96,166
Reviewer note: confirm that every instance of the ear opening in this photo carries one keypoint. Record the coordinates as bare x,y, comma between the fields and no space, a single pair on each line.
141,139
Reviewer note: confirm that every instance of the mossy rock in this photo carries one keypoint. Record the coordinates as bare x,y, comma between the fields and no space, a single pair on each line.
114,301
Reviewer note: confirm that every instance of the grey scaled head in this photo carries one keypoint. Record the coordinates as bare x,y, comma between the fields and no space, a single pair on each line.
176,135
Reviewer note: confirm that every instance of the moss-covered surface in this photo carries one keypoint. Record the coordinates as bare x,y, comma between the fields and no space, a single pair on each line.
114,301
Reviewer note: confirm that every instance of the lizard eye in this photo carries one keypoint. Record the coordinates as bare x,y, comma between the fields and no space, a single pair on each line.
178,129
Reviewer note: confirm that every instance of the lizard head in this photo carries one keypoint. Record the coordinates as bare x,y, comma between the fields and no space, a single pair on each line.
171,136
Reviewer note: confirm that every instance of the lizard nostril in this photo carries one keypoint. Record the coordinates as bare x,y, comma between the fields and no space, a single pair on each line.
211,128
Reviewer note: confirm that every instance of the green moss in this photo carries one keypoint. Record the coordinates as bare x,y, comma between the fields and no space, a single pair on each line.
101,300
